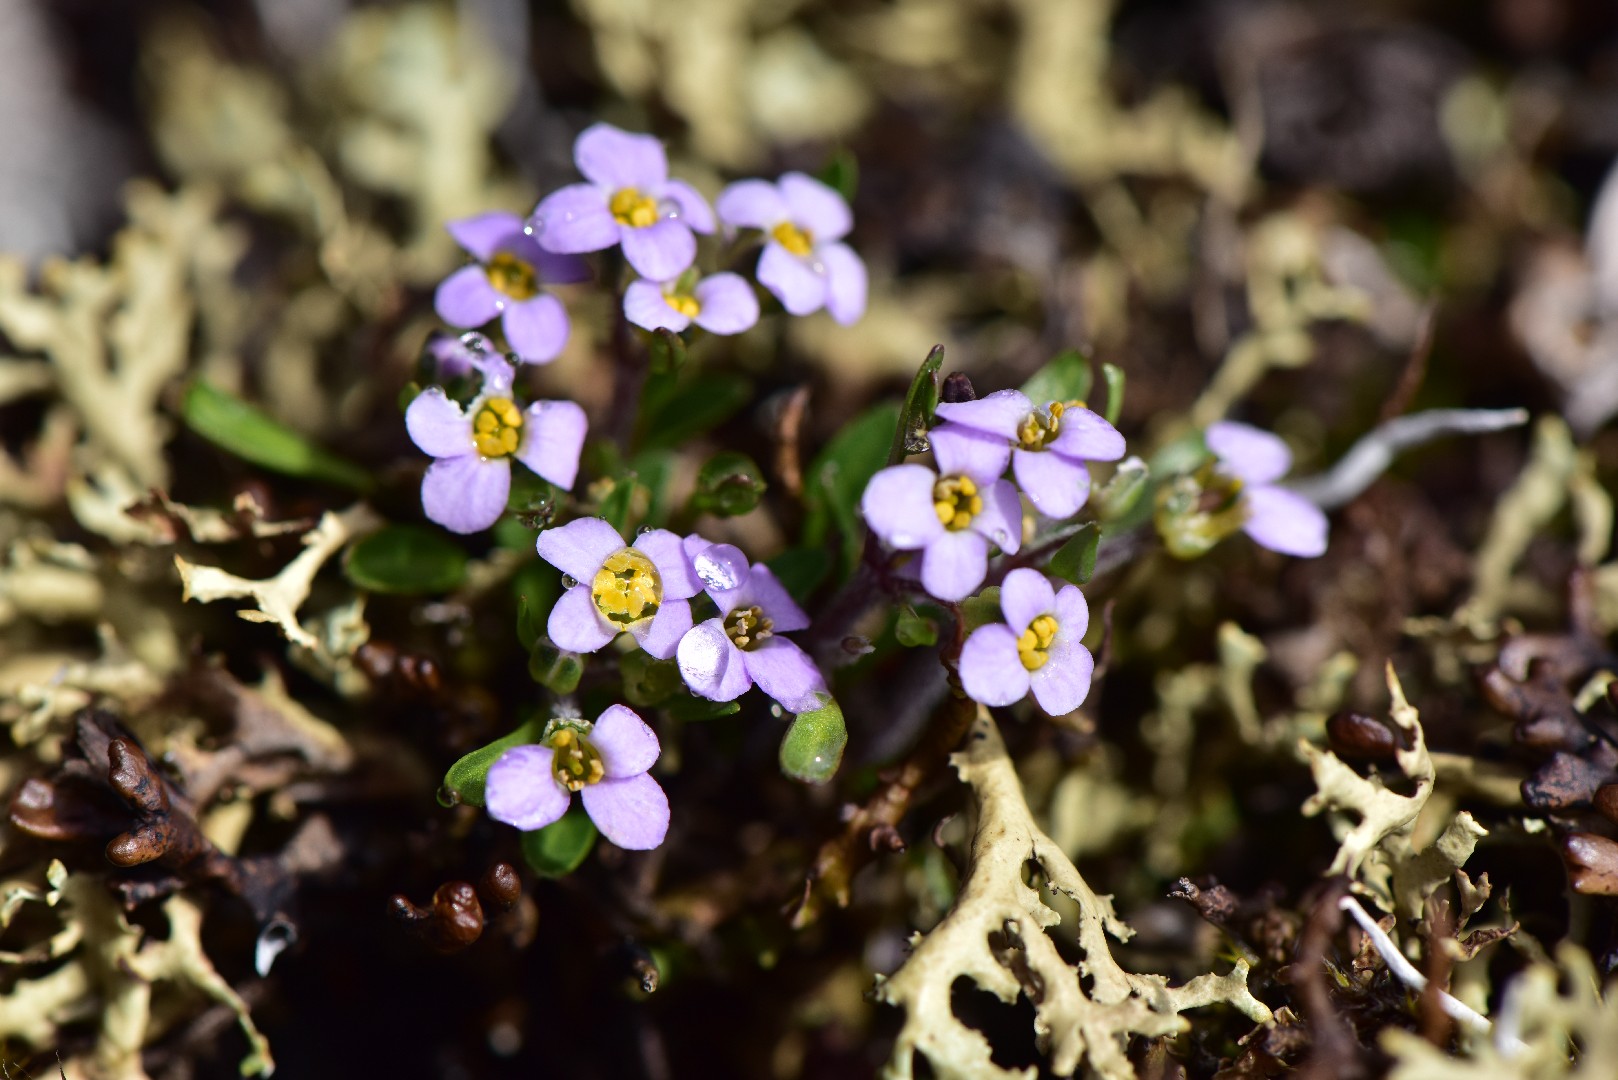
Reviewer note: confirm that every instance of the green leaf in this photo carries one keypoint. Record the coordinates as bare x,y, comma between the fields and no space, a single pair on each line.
800,570
813,747
647,680
1119,496
554,669
688,709
729,484
982,609
914,629
616,505
464,781
674,413
1075,560
665,351
842,173
838,475
238,428
407,559
1114,377
1066,377
558,849
536,587
917,414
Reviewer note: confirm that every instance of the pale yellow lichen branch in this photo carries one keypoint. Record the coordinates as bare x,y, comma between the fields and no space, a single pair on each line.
996,936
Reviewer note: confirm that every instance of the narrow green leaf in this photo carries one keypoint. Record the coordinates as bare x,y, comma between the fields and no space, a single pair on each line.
465,779
1075,560
674,413
837,477
842,173
1066,377
688,709
238,428
536,587
915,630
729,484
1114,377
917,415
554,669
813,747
617,504
666,351
406,559
558,849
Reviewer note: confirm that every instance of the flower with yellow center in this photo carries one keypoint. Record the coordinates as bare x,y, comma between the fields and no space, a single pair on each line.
684,303
1037,650
748,627
512,276
627,589
632,207
1041,426
956,502
497,428
575,763
1034,645
798,240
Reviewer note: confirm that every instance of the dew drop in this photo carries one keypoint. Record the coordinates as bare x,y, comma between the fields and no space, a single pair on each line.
569,581
499,305
669,209
701,656
818,267
534,224
475,342
720,566
272,942
643,530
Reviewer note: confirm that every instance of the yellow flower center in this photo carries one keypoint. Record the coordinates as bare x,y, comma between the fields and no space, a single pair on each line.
627,589
575,763
1034,646
798,241
630,207
956,502
1040,427
497,428
748,627
684,303
513,276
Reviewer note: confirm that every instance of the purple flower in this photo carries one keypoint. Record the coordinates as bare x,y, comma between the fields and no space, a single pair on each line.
724,656
950,516
1048,446
607,762
1273,516
629,200
456,356
719,303
803,263
465,489
1037,647
506,281
642,589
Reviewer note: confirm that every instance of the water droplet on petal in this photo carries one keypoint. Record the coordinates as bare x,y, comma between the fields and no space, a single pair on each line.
528,228
701,656
568,581
475,341
818,267
499,305
668,208
534,224
716,570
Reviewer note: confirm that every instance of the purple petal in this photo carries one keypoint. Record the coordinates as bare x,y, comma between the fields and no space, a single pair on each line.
466,494
1058,486
751,204
1072,614
693,209
954,564
1062,684
792,280
632,812
1250,455
846,284
628,747
437,425
961,451
575,625
1025,595
661,637
680,581
1088,437
661,251
1001,413
452,354
785,673
575,219
816,207
481,235
536,329
647,307
764,590
579,548
553,438
613,158
1001,519
521,791
991,669
497,372
898,505
728,304
466,299
1284,522
720,567
711,664
555,268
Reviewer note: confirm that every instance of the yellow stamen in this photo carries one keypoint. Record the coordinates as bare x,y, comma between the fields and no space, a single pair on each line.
1040,427
748,627
956,502
513,276
575,762
1033,647
497,428
627,588
685,304
798,241
630,207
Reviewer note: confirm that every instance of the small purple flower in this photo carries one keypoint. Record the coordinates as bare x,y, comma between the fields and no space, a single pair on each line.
1274,517
1037,647
641,588
1048,446
719,303
606,762
803,263
506,281
742,646
951,516
465,489
629,200
456,356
